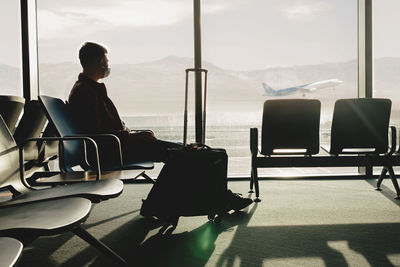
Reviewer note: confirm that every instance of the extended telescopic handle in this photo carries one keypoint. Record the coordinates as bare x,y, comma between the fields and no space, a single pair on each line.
185,115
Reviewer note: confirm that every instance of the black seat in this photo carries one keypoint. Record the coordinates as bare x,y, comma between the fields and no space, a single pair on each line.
359,131
74,153
290,126
11,109
360,125
31,125
12,178
10,250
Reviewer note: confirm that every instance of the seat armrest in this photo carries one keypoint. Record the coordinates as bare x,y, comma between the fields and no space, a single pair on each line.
254,141
326,148
69,138
112,137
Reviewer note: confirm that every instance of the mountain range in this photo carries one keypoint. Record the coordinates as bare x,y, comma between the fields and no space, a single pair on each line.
157,87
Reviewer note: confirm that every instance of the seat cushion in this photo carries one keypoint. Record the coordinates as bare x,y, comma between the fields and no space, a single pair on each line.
92,190
44,217
10,250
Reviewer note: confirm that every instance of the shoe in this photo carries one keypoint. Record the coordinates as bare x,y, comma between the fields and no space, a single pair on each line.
237,202
145,210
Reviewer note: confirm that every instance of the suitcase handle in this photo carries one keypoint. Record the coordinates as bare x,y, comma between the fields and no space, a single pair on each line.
203,138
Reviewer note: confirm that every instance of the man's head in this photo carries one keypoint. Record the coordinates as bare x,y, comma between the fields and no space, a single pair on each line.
93,58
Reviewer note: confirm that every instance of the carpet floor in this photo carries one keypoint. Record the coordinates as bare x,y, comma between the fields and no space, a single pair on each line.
297,223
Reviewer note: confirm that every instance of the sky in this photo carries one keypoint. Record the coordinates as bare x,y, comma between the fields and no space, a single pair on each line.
236,34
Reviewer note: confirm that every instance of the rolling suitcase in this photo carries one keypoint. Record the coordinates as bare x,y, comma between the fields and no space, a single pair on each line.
193,181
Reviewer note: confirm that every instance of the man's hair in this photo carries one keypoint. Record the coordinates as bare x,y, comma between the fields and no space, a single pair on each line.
90,52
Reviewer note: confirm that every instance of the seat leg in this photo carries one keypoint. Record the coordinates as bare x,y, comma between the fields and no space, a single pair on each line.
148,178
255,178
251,180
394,181
46,167
381,177
82,233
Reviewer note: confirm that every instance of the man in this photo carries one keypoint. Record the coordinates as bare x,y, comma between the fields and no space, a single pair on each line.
96,113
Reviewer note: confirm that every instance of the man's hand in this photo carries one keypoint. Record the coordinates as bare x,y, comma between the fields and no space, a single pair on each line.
145,136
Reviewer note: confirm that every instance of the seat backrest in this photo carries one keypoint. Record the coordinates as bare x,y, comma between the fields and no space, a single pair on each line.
290,126
31,125
61,118
10,109
51,147
360,125
9,161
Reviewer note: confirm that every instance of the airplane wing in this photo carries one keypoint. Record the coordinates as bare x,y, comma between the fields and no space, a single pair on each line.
309,89
306,89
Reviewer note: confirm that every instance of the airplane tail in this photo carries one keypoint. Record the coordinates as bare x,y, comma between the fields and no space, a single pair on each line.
268,90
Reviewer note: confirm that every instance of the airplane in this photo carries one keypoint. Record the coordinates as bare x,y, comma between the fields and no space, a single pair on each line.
305,88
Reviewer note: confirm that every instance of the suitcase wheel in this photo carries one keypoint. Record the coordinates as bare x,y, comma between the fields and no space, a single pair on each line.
218,219
215,218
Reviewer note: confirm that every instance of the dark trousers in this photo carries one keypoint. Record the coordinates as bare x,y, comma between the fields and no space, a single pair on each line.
140,150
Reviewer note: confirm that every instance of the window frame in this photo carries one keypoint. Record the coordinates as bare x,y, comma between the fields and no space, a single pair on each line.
31,70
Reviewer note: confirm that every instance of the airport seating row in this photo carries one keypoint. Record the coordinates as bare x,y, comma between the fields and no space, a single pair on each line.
28,212
359,136
38,152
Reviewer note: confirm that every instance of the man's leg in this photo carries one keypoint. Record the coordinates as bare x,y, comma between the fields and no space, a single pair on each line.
167,144
136,150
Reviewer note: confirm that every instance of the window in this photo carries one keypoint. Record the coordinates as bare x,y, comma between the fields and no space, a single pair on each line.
10,47
252,47
149,43
387,55
279,43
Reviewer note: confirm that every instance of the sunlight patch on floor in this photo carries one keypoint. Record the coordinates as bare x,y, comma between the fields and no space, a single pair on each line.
352,257
295,262
394,259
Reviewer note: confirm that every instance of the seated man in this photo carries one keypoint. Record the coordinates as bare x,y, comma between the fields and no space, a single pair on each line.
96,113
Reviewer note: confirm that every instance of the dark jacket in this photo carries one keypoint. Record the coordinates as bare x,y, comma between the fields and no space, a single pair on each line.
93,109
96,113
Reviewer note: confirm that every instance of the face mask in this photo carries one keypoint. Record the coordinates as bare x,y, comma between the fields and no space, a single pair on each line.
107,72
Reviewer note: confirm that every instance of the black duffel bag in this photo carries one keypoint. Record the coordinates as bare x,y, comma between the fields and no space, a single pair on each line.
193,182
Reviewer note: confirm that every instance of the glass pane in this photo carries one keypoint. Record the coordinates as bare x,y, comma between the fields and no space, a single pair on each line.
149,43
387,57
386,54
10,47
254,50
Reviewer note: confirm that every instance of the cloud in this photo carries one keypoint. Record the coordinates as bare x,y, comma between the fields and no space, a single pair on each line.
302,11
53,25
138,13
85,19
218,6
81,19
